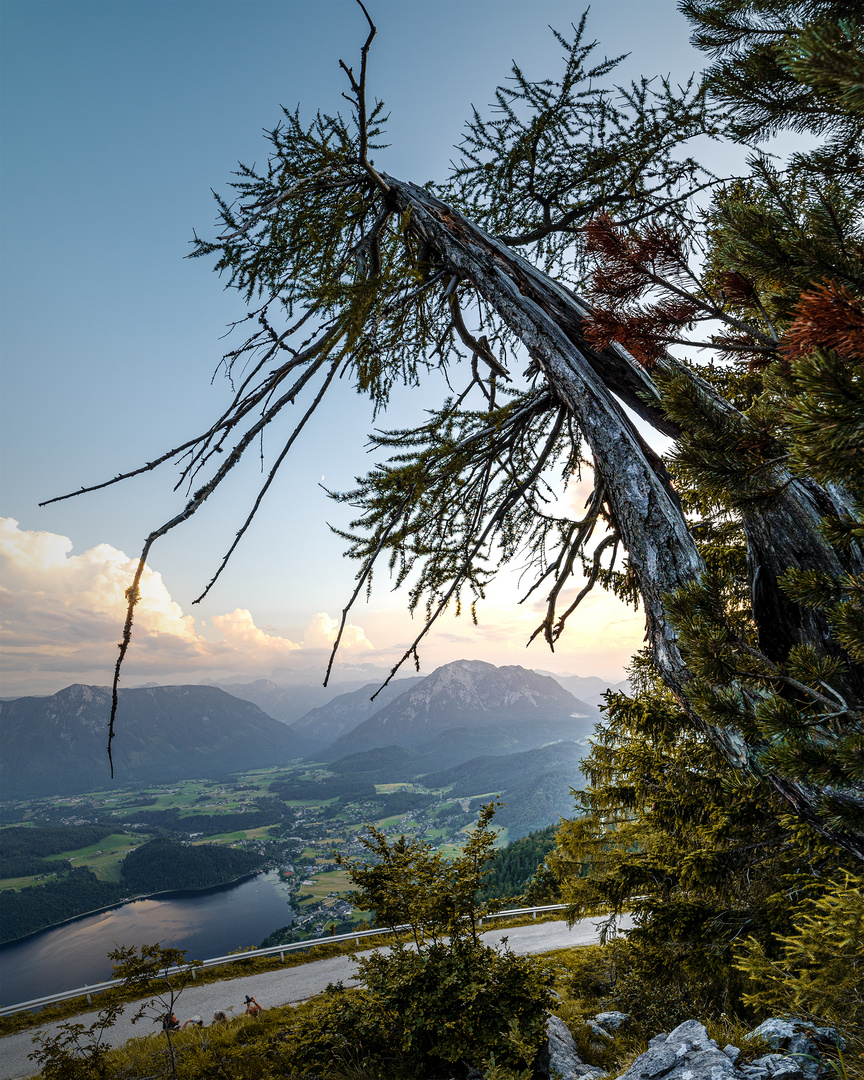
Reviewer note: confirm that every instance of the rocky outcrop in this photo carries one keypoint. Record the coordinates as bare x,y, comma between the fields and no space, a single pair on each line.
801,1045
612,1021
559,1058
687,1053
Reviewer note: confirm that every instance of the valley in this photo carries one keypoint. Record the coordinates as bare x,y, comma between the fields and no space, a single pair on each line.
417,761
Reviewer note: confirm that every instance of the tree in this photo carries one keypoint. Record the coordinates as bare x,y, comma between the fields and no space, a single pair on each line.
161,973
446,998
77,1052
698,855
409,886
352,270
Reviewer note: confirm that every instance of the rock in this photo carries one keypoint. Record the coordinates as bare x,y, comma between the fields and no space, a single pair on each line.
612,1021
559,1058
828,1037
731,1052
691,1034
778,1065
775,1032
687,1053
801,1043
598,1031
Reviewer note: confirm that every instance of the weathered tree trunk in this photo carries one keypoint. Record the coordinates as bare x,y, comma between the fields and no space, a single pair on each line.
782,532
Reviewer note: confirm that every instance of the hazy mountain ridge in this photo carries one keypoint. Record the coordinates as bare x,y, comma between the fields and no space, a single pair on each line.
56,745
416,726
590,688
346,711
287,704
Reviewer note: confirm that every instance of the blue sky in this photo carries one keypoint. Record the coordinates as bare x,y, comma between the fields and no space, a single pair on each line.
118,118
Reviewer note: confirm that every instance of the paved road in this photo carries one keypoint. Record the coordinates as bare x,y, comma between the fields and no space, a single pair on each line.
287,986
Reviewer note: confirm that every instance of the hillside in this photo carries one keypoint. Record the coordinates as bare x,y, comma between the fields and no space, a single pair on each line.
56,745
499,773
345,712
535,786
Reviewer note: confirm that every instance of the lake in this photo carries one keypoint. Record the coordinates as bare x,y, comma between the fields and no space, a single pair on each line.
205,924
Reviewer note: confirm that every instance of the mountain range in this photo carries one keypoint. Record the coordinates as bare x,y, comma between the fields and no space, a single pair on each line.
56,745
463,710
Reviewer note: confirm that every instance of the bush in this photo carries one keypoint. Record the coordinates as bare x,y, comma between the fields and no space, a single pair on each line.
428,1013
819,974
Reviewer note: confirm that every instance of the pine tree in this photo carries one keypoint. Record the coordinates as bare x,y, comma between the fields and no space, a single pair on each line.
698,854
351,270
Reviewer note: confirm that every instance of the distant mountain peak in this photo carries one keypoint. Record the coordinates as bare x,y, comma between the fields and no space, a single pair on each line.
466,694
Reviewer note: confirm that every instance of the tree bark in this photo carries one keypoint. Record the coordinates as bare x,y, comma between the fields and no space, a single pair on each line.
782,532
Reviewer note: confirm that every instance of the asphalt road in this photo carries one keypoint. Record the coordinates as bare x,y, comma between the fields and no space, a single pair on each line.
288,986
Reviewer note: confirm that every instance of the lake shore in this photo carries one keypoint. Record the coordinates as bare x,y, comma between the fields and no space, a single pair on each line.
169,894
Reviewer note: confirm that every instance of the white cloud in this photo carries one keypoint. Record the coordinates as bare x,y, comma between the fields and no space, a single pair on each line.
62,616
63,613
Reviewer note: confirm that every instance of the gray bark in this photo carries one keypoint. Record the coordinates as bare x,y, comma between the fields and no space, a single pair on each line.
782,532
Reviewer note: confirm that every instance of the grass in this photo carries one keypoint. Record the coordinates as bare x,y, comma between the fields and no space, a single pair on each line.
323,884
203,1050
103,858
23,882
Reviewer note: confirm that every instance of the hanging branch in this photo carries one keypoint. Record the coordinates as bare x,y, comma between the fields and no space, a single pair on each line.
578,537
494,520
362,579
334,367
479,346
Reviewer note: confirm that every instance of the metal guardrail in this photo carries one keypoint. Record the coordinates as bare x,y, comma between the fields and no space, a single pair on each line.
273,950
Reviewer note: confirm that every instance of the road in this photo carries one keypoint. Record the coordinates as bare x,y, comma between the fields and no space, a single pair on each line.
287,986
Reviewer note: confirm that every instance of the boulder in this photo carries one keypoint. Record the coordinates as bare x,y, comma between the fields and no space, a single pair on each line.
687,1053
775,1065
801,1044
612,1021
559,1058
599,1032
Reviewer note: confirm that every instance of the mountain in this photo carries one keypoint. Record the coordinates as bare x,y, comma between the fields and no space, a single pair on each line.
471,694
535,786
285,703
56,745
347,711
590,688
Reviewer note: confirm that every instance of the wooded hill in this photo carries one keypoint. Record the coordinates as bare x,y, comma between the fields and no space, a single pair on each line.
56,745
159,866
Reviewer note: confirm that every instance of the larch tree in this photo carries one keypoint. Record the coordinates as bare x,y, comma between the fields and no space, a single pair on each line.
576,230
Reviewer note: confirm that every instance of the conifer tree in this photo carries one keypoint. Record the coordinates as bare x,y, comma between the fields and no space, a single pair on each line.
349,270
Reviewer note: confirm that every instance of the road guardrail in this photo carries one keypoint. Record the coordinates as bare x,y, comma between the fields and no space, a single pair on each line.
273,950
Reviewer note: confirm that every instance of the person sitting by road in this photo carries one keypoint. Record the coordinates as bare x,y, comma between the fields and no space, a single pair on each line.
195,1021
219,1017
170,1022
252,1007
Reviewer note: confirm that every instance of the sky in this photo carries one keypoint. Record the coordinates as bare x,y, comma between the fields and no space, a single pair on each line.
118,118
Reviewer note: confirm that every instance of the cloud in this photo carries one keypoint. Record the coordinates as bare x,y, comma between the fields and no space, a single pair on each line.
62,615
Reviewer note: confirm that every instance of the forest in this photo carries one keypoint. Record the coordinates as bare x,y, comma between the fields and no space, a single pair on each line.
22,850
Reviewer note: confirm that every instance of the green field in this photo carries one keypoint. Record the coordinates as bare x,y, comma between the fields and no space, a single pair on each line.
321,885
103,858
233,837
